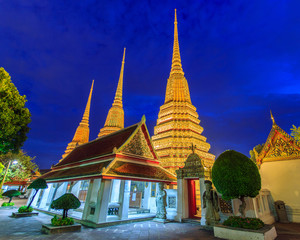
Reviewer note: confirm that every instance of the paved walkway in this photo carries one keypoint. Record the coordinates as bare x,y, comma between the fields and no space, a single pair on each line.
30,228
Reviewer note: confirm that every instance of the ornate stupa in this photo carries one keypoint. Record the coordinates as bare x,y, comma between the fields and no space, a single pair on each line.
82,133
177,125
115,117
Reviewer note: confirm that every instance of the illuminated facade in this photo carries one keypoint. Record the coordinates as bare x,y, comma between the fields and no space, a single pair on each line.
177,127
279,166
82,133
115,117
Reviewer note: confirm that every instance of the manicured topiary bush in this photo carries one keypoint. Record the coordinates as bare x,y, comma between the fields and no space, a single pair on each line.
236,176
24,209
248,223
66,202
11,193
37,184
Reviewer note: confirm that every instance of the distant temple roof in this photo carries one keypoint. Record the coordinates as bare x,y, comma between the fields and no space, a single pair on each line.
278,146
125,154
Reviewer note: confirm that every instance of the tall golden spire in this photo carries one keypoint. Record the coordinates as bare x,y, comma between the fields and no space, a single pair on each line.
177,126
177,86
176,60
115,117
82,132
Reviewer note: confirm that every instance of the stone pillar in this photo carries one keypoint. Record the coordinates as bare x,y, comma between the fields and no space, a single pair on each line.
182,200
124,199
103,199
89,210
203,210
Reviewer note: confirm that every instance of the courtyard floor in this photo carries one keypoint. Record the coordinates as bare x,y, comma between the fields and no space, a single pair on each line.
30,228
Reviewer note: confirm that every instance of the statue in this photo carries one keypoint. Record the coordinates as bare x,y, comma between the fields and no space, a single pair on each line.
211,203
161,202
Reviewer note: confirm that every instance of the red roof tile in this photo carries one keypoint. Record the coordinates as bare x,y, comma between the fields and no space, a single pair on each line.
98,147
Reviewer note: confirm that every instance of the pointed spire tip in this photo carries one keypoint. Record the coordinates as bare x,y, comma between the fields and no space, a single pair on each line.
272,117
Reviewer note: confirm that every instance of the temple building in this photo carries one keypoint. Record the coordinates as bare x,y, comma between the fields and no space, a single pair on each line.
177,127
279,166
82,133
113,176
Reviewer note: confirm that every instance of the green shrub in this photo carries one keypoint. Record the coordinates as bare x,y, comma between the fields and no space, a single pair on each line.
62,221
236,176
37,184
7,204
11,193
248,223
66,202
25,209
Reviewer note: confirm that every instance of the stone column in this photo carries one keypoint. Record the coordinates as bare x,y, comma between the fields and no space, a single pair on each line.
124,199
90,208
103,199
203,210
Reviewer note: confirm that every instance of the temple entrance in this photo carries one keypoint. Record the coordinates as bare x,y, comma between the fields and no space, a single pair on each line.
194,198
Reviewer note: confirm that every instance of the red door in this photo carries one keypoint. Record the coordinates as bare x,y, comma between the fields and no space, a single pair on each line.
192,198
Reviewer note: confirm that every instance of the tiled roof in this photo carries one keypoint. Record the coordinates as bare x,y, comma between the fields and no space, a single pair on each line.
80,171
98,147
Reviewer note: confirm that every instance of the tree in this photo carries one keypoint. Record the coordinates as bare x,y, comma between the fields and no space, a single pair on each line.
11,193
37,184
66,202
295,133
255,152
14,117
236,176
21,170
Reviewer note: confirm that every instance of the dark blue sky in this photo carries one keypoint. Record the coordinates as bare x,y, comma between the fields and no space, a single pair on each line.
241,59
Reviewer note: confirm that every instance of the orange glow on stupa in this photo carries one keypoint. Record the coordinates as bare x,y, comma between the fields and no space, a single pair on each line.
115,117
177,125
82,133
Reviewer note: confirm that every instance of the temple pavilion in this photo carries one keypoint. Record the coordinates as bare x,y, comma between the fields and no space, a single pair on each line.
114,176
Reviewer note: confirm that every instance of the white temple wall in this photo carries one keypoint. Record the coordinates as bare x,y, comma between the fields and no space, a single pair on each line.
43,202
282,179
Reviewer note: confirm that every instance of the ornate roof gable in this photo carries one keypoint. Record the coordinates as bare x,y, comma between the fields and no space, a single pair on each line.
139,143
279,146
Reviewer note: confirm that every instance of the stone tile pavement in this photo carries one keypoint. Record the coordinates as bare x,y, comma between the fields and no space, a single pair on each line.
29,228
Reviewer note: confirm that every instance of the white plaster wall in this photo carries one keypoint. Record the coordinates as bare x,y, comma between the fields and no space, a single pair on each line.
282,178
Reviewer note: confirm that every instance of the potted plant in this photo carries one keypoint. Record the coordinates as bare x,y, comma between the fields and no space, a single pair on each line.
10,194
236,176
63,224
26,211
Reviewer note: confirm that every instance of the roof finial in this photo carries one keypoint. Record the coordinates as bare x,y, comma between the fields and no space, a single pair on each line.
273,120
176,60
193,147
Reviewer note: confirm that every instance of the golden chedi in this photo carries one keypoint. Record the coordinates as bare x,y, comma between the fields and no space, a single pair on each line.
82,133
115,117
177,125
